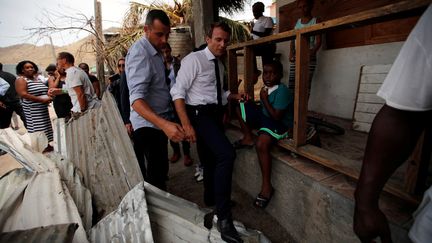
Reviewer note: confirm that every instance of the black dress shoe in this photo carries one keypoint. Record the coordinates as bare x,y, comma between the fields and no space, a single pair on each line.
228,231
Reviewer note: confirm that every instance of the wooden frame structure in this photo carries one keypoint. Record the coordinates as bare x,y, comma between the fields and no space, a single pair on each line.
298,145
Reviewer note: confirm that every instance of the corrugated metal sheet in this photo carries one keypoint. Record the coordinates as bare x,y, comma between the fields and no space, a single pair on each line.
98,144
173,219
62,233
73,179
129,223
35,195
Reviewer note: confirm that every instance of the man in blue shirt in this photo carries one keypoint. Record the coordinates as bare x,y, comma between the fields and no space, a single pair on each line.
150,99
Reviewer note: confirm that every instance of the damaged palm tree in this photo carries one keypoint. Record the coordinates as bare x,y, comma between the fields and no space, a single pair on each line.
180,13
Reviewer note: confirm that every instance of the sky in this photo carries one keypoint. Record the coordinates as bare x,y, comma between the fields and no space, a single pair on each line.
18,15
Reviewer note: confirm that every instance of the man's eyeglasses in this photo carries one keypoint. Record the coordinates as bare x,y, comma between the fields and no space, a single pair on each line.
121,65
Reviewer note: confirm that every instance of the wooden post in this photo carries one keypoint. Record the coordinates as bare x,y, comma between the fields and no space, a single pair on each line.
232,71
248,71
301,89
99,45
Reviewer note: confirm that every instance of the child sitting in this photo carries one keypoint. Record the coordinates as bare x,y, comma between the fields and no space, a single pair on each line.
274,119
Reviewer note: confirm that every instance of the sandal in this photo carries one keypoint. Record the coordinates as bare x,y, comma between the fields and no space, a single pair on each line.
240,145
261,201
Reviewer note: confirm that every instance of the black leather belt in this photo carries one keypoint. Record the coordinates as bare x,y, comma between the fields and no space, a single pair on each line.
204,109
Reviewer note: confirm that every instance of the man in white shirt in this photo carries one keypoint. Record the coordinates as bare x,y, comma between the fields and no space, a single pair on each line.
261,27
78,85
395,131
199,98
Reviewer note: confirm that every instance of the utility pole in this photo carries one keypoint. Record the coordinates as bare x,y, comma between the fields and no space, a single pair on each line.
52,50
99,45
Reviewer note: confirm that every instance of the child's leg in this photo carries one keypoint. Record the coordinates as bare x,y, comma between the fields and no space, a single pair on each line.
263,147
246,131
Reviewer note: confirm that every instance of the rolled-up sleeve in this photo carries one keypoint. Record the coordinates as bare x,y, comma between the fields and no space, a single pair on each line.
185,77
138,72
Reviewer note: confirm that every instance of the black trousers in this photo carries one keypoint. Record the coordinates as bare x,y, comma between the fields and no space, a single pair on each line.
6,114
216,154
151,145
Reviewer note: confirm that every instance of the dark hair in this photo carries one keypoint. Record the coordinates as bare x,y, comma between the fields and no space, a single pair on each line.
168,46
84,64
259,5
1,66
154,14
201,47
121,59
20,67
224,26
277,65
66,55
51,68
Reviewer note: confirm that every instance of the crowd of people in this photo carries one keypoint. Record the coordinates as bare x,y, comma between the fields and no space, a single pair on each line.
164,100
28,95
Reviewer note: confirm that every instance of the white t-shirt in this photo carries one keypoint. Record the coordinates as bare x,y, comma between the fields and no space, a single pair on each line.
76,77
261,24
408,85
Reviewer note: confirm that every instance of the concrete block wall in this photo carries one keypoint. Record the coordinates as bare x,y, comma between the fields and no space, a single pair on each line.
307,206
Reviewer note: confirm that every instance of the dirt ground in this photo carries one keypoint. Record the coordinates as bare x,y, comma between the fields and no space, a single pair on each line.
182,183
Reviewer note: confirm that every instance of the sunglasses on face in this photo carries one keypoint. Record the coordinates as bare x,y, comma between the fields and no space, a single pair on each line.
121,65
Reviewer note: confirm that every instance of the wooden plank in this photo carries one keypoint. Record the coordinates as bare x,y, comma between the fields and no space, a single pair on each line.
377,78
368,107
376,69
370,98
301,90
373,15
248,69
232,71
369,88
280,37
364,117
348,167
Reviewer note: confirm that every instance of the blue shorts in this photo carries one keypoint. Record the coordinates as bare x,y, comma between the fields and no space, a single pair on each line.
254,117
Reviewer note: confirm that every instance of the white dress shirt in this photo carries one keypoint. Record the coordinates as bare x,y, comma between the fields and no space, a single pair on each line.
196,79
